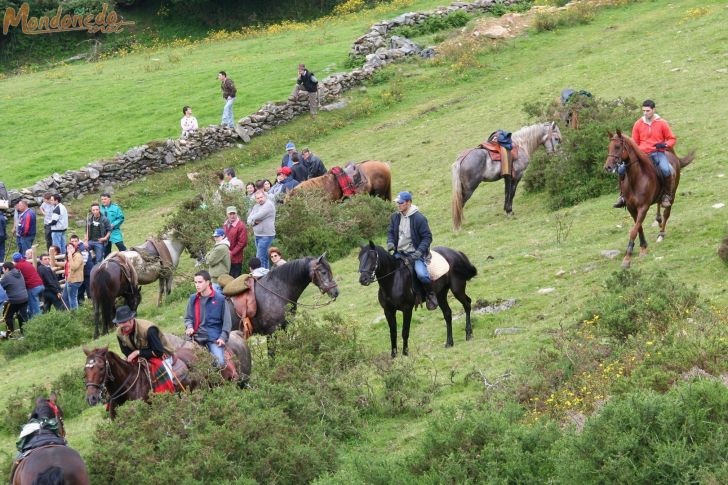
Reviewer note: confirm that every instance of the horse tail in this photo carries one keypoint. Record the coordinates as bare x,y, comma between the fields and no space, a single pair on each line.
463,268
685,161
457,194
50,476
100,293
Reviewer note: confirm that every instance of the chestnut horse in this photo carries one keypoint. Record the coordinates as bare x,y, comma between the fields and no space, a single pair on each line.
641,186
114,277
378,175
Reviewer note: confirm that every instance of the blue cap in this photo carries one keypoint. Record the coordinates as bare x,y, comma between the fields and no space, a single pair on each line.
403,197
290,146
17,257
219,232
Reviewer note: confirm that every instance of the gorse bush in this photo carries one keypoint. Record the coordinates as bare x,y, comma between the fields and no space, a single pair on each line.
577,173
53,331
308,224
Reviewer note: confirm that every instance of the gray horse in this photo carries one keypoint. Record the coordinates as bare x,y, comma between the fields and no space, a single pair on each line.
475,166
156,260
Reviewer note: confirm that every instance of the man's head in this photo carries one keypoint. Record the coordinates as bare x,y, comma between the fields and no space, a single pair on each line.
8,266
56,199
17,257
47,197
306,153
229,174
254,263
45,259
283,173
260,197
301,67
232,213
202,281
648,109
404,201
222,75
74,239
21,205
95,209
290,147
295,158
106,199
219,234
124,319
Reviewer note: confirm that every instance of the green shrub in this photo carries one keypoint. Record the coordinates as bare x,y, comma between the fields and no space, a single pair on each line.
578,14
435,23
354,62
577,173
309,224
53,331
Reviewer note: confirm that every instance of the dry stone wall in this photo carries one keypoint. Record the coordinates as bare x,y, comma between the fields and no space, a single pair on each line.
378,45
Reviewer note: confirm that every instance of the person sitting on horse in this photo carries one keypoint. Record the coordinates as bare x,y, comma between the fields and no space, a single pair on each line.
409,235
142,338
653,135
207,320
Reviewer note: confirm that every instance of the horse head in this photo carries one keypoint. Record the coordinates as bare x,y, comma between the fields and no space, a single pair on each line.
552,138
321,276
47,408
96,374
368,263
616,151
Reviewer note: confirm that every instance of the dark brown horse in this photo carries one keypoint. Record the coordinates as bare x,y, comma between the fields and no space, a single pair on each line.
396,292
113,278
641,186
53,462
377,181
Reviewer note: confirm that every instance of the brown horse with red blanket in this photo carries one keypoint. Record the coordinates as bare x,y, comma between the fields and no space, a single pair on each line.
641,187
376,179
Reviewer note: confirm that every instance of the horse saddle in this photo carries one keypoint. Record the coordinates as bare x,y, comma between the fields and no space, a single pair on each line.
34,436
357,176
345,181
501,149
156,248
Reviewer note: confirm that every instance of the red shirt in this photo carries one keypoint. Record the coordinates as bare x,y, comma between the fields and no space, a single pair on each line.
647,135
30,274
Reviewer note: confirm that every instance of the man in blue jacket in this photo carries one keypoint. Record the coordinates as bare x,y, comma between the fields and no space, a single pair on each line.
3,235
207,319
409,235
24,219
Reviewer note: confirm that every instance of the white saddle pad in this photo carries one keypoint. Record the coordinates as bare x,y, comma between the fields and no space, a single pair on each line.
438,265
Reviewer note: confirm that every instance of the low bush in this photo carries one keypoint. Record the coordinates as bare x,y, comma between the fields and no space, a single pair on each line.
53,331
433,24
577,173
578,14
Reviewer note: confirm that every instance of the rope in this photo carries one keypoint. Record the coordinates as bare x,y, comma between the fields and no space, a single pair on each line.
305,305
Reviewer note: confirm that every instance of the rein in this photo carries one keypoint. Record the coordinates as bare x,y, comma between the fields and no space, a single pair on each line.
373,272
110,377
314,279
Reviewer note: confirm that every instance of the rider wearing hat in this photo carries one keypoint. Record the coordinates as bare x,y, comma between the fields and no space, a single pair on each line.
142,338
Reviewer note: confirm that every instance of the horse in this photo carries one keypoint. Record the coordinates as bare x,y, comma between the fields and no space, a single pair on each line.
282,286
52,461
475,166
396,291
377,181
113,277
641,186
156,260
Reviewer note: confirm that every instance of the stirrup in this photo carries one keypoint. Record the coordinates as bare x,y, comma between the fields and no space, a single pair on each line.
666,202
620,203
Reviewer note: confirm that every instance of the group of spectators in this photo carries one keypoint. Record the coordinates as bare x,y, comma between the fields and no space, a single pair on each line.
59,277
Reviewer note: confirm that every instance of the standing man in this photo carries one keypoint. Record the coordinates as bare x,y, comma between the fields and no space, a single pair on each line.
313,164
237,235
98,232
33,283
409,235
3,235
228,94
52,293
307,82
14,285
298,170
653,136
24,228
115,215
46,210
218,259
207,319
263,217
231,181
290,150
59,223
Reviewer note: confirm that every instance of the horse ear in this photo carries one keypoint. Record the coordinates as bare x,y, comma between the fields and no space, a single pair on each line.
610,134
86,351
619,133
323,256
553,125
371,244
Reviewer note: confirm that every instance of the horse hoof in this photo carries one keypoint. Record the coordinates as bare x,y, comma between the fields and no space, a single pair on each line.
448,345
405,351
660,238
468,336
394,354
626,264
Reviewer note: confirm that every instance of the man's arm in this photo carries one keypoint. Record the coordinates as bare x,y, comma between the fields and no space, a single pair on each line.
426,236
214,256
670,139
227,325
124,349
107,229
392,233
156,349
190,314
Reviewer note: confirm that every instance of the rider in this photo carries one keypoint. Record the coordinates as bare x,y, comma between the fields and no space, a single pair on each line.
207,319
409,234
142,338
653,135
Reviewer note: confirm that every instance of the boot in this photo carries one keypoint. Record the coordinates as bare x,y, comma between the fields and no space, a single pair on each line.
620,202
669,189
431,297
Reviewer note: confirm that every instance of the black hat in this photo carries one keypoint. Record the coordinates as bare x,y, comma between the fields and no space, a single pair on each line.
123,314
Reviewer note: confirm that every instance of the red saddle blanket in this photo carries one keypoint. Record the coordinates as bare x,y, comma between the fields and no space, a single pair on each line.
344,180
495,150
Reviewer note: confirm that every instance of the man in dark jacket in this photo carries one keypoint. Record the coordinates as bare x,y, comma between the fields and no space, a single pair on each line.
3,235
24,231
228,94
14,285
52,290
298,170
307,82
98,232
409,235
207,319
313,164
33,283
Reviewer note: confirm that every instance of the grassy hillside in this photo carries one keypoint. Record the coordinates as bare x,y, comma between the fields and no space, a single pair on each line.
444,108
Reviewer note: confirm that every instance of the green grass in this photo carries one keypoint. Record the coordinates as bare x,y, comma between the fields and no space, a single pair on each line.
440,114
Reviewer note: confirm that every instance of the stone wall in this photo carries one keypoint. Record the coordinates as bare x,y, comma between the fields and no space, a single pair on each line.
378,45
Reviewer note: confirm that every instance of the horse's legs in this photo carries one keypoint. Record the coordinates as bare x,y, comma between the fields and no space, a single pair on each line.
458,289
514,184
391,316
162,289
406,319
97,312
507,181
447,314
643,242
639,216
663,224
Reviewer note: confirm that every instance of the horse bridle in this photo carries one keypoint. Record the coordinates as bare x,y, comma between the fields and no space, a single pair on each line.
317,280
110,377
620,159
373,273
550,138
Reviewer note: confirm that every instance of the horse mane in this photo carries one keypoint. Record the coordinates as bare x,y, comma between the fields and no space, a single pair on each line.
290,270
643,159
529,137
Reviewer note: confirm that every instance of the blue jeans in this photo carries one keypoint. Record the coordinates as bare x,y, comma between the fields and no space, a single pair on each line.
661,162
421,271
24,243
262,243
98,248
58,238
217,352
227,113
70,295
34,300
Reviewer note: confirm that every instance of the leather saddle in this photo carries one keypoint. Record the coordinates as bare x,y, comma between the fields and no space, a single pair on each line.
357,176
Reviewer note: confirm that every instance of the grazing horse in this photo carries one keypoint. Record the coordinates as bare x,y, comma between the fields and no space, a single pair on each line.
156,260
112,278
641,186
378,181
282,286
475,166
51,461
396,292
